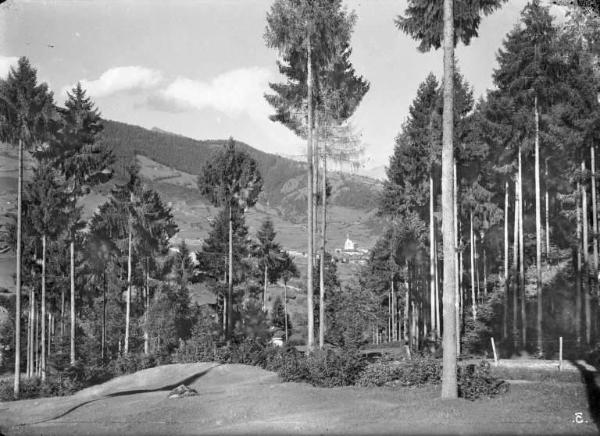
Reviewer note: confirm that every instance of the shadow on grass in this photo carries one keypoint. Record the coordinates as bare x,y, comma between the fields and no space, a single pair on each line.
592,390
169,387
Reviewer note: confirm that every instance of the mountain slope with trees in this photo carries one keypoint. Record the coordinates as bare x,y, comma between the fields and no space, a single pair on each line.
284,181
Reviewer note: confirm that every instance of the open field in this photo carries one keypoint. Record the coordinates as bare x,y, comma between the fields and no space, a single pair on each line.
238,399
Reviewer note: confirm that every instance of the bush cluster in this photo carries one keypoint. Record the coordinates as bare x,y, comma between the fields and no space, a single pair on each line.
324,368
76,377
476,381
30,388
418,371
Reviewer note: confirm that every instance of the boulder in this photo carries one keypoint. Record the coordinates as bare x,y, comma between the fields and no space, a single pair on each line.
182,391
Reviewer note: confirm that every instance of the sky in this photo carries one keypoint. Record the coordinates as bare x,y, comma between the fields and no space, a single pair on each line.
200,68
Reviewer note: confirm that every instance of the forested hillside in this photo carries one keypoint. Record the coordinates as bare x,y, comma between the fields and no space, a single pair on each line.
284,180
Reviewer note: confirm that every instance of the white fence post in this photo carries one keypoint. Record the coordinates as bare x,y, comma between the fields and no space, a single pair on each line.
494,349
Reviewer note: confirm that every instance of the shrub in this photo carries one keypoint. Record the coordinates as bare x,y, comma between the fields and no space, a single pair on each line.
29,388
418,371
195,351
274,358
330,368
378,374
6,390
128,363
293,368
249,352
476,381
322,368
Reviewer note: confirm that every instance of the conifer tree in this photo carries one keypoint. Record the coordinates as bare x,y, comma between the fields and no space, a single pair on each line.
434,24
528,82
231,180
212,257
310,36
269,256
27,118
83,162
48,215
101,251
289,270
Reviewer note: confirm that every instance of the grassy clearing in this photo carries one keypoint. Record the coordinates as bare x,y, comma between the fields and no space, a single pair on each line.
237,399
538,375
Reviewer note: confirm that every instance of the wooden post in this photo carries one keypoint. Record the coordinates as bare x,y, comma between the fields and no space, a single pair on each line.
560,353
494,350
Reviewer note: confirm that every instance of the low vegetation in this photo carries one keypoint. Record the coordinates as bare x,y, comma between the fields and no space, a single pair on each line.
324,368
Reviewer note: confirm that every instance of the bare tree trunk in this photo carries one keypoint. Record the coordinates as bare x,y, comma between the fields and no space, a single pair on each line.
484,265
309,190
406,306
515,268
449,384
285,309
30,335
36,341
431,255
522,257
476,259
457,265
413,325
578,277
461,290
17,381
389,323
394,313
265,288
72,356
423,311
43,314
146,308
506,279
128,301
438,324
473,296
49,336
594,222
538,231
586,258
547,215
229,329
33,322
224,315
103,315
322,320
62,315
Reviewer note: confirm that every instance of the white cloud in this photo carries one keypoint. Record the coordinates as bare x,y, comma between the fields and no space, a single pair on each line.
233,93
121,79
236,94
5,63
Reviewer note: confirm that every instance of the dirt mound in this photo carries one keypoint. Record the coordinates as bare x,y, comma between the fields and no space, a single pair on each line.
151,379
239,399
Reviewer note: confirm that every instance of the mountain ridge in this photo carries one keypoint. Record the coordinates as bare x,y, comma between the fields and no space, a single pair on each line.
284,181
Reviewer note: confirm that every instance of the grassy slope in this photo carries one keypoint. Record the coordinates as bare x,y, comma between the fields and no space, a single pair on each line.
227,404
283,178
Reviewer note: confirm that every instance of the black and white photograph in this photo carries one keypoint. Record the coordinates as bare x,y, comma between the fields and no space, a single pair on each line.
303,217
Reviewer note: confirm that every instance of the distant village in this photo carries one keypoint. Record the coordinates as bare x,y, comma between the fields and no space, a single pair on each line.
349,253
